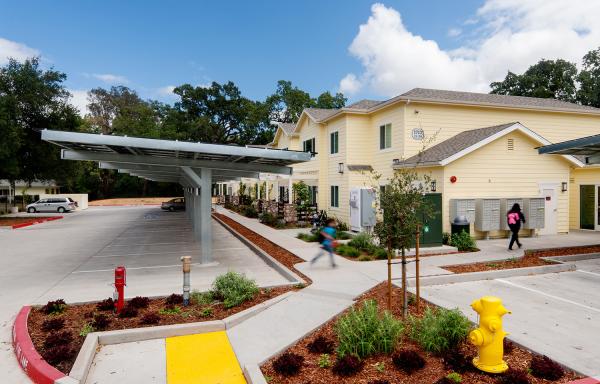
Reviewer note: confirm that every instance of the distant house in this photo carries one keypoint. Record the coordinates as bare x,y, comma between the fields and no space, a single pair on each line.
23,188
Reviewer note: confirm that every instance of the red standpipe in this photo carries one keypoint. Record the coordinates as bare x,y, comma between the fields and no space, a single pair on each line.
120,283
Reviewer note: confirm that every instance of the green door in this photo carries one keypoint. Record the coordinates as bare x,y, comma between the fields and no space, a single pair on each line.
431,230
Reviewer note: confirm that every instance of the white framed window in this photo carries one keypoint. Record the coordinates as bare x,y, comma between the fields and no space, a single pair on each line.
385,136
335,196
309,146
334,142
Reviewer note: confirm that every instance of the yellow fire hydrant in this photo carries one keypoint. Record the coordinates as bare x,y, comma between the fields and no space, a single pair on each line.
489,337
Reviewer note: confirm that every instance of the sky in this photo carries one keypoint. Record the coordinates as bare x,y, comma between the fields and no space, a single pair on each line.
365,49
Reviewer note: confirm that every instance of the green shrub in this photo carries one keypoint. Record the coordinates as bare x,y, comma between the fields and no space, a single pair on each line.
308,237
346,250
324,361
54,307
365,258
364,331
440,329
171,310
206,312
380,253
344,235
234,289
463,241
201,298
250,211
269,219
455,377
363,241
446,238
87,328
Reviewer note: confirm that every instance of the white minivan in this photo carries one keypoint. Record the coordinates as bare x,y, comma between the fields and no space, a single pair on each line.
52,204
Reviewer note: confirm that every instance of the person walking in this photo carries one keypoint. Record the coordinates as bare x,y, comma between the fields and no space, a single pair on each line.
327,237
514,218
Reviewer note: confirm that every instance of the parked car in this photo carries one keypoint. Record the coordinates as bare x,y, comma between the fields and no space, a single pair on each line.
74,202
177,204
52,204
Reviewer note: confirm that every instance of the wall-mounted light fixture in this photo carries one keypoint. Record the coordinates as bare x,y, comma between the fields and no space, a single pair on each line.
341,167
433,186
564,186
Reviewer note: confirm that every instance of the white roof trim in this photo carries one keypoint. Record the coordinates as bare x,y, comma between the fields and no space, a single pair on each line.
515,127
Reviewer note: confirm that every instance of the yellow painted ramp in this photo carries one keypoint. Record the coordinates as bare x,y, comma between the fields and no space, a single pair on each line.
204,359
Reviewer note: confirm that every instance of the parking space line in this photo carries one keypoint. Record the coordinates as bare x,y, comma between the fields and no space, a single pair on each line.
588,272
146,253
135,268
548,295
135,245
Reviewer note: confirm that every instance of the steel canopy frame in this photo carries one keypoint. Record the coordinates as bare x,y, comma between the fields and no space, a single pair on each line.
195,166
588,147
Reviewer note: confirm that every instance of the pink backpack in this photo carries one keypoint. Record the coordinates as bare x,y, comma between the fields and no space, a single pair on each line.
513,218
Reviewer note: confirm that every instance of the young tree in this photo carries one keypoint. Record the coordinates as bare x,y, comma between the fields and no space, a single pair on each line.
589,80
403,206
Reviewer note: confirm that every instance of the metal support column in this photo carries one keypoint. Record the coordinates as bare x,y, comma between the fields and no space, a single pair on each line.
205,215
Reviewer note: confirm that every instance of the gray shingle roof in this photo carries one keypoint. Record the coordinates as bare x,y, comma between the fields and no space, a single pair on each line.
319,114
491,99
439,152
288,128
364,104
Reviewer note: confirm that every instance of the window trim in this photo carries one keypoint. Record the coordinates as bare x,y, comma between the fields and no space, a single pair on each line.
335,134
313,144
384,136
334,196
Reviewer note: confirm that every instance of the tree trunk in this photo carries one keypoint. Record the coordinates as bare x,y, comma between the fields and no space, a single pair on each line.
404,296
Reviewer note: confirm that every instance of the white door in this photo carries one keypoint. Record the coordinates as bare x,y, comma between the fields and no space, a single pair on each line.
550,211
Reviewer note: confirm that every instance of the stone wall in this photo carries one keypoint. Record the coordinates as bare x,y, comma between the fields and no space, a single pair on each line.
289,213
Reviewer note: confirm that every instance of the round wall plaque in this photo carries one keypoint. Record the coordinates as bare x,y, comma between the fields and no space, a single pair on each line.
418,134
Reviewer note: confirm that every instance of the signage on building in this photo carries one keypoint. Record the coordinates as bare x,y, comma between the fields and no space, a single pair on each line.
418,134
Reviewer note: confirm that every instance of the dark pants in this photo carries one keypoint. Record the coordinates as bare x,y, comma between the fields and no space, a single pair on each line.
514,229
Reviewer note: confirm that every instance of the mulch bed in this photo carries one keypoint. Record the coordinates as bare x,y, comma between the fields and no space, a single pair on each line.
565,251
282,255
77,316
434,369
517,262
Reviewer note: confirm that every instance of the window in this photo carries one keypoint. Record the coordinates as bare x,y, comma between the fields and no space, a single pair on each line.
309,145
312,190
385,136
335,196
334,142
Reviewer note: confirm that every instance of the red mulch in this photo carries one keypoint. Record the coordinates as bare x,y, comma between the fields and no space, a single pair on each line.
311,373
564,251
520,262
282,255
77,316
10,221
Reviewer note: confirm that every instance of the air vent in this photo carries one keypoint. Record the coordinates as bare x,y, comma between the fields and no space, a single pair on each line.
511,144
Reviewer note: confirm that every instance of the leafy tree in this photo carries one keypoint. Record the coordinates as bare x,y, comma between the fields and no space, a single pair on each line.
218,114
589,80
33,99
546,79
288,102
403,206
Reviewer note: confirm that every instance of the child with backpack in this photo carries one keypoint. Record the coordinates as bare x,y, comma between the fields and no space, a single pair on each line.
326,238
514,218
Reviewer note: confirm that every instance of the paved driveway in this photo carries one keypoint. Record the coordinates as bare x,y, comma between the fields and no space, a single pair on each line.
74,259
557,314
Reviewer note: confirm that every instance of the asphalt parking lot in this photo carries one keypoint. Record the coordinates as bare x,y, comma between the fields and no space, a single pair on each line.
74,259
557,314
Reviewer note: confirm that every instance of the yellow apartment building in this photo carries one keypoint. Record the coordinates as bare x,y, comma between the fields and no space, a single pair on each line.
475,146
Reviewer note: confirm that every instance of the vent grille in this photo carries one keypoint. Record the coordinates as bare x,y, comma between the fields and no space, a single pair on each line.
511,144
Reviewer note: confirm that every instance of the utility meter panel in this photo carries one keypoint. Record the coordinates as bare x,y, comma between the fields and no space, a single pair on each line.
505,206
535,212
487,215
362,209
462,207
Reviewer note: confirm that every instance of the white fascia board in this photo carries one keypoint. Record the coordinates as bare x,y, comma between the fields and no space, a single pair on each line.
58,137
515,127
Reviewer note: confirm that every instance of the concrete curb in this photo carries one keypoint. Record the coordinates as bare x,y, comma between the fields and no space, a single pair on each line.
84,359
578,257
160,332
38,221
587,380
239,317
282,269
490,275
34,366
253,374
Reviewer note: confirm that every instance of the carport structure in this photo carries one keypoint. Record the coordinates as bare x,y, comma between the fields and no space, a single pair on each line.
195,166
585,147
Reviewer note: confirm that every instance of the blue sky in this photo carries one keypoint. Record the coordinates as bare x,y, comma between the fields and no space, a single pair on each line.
150,45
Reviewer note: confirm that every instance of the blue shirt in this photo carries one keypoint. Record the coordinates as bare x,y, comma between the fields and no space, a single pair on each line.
331,232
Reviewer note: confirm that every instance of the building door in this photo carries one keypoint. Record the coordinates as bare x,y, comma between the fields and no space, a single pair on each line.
550,211
588,207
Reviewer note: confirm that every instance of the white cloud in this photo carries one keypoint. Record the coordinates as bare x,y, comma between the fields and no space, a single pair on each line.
166,91
454,32
109,78
79,100
18,51
511,35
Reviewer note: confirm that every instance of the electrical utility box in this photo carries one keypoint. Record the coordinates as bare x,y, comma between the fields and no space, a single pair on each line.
362,209
505,206
487,215
535,212
462,207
